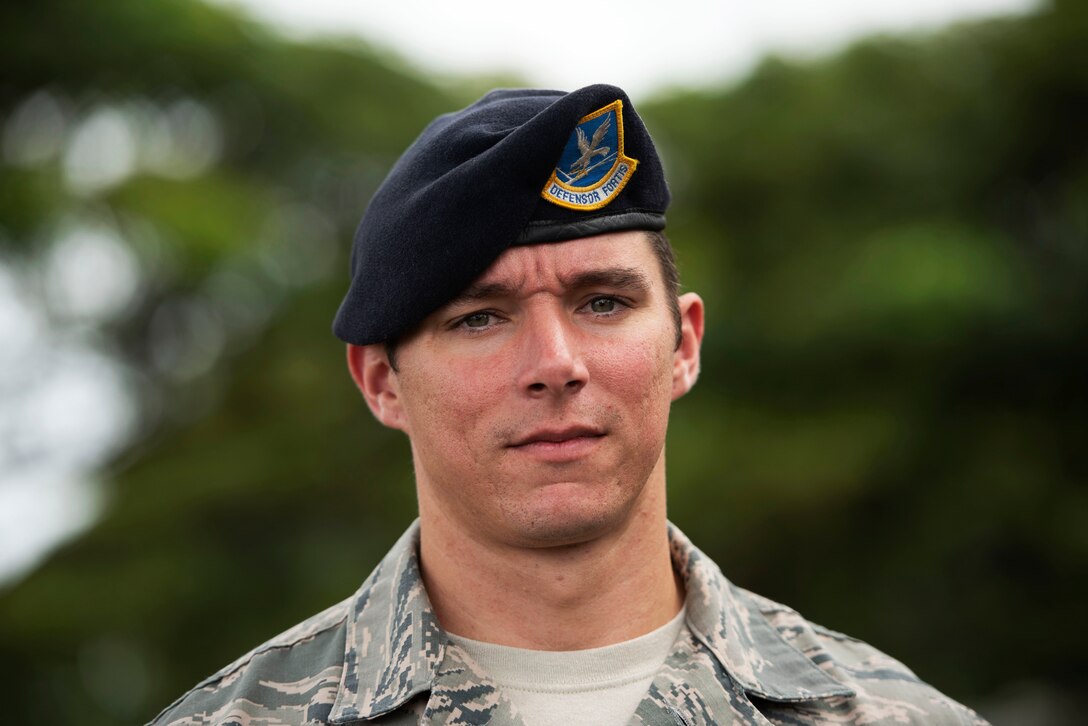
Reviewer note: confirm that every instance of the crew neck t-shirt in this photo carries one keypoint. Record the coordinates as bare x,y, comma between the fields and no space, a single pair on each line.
600,686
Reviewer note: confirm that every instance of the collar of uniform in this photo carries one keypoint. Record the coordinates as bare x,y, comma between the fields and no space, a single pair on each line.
394,643
728,621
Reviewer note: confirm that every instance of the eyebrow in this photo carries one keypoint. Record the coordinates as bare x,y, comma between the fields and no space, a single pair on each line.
616,278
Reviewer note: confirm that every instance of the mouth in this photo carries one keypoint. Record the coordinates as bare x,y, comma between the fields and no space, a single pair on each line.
558,437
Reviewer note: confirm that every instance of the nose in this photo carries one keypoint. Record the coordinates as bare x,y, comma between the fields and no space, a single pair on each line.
552,364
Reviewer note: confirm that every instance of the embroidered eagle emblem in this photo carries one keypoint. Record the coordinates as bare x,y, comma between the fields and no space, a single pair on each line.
589,149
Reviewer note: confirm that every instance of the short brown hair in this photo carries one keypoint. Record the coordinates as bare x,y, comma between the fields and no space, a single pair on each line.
670,275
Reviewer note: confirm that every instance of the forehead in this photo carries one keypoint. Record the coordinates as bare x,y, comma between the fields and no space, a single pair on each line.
556,263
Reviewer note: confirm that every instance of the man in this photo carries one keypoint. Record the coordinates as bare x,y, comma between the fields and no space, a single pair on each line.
514,310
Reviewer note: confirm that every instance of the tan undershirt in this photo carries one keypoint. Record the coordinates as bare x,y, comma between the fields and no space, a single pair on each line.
600,686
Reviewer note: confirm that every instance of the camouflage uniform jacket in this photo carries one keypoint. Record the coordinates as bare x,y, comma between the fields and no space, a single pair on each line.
381,657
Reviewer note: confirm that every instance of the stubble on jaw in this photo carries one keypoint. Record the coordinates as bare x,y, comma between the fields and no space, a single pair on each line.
625,485
571,503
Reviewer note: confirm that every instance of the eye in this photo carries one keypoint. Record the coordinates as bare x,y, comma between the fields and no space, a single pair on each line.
603,305
476,320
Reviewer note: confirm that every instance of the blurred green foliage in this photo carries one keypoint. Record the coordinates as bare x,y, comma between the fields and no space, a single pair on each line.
888,429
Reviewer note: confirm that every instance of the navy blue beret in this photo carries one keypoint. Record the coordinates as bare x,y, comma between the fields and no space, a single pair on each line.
517,167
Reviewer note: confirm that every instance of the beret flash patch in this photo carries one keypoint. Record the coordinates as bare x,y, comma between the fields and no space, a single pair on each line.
592,169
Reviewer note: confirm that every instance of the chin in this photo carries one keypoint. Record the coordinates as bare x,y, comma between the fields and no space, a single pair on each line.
567,514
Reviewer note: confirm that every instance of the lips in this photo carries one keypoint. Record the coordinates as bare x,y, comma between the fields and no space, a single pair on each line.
558,435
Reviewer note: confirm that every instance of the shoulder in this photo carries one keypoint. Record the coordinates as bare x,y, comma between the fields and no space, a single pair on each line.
886,690
291,679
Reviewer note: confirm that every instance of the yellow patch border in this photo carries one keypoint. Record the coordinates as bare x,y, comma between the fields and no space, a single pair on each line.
620,159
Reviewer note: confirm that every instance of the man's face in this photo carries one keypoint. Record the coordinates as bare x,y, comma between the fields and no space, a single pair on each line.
537,401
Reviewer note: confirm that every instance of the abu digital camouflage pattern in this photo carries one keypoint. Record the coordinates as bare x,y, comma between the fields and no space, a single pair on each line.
381,657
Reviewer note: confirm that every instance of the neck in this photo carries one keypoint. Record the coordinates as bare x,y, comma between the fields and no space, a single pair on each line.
613,587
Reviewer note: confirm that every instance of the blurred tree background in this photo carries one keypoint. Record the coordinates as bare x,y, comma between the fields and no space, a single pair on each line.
888,434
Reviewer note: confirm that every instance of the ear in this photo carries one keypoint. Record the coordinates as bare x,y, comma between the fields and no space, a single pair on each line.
685,361
377,381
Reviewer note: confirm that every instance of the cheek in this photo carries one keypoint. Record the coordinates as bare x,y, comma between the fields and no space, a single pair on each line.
639,373
446,407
